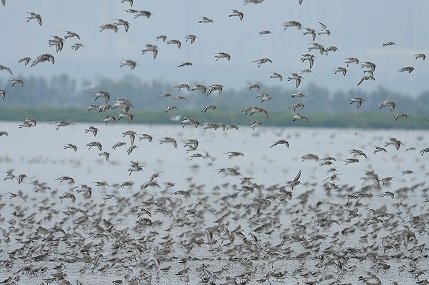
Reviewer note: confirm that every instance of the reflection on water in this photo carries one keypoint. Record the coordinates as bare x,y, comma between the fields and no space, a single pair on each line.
200,219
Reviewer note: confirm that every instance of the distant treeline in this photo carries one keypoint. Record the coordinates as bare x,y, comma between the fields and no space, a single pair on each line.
62,98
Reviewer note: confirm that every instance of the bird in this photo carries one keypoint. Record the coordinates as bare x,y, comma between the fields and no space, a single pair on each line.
70,34
421,56
342,70
124,23
161,37
151,48
187,63
276,75
3,93
2,67
129,63
400,116
113,27
34,16
295,182
324,30
297,116
297,79
310,31
387,44
191,38
42,58
408,69
262,61
292,24
71,146
234,154
174,42
236,13
351,60
25,60
76,46
205,20
364,78
168,140
15,82
389,104
222,55
281,141
357,100
264,32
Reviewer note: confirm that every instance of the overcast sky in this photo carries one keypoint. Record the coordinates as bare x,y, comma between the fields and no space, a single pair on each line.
358,29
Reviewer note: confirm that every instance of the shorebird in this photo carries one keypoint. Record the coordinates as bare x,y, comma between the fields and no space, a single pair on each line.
309,57
310,31
142,13
76,46
26,60
408,69
292,24
324,30
421,56
236,13
295,182
174,42
264,97
132,135
2,67
255,124
187,63
262,61
70,34
43,58
103,94
298,95
3,93
205,20
128,62
135,166
161,37
252,110
183,86
34,16
191,38
209,107
168,140
71,146
222,55
340,69
364,78
92,129
58,42
264,32
357,100
276,75
400,116
145,137
298,116
296,106
124,23
234,154
282,141
297,79
317,46
151,48
351,60
387,44
389,104
14,82
113,27
96,144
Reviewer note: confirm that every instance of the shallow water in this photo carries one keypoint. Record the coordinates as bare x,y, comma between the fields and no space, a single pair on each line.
104,238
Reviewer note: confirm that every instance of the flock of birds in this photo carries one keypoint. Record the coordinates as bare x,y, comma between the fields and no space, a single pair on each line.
240,232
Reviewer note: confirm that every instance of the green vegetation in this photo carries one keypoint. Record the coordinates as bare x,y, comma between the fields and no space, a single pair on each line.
62,98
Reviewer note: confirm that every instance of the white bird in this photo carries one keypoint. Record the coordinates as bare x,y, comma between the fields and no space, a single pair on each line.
34,16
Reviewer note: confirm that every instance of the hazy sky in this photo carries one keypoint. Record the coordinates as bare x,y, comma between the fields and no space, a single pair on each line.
358,29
